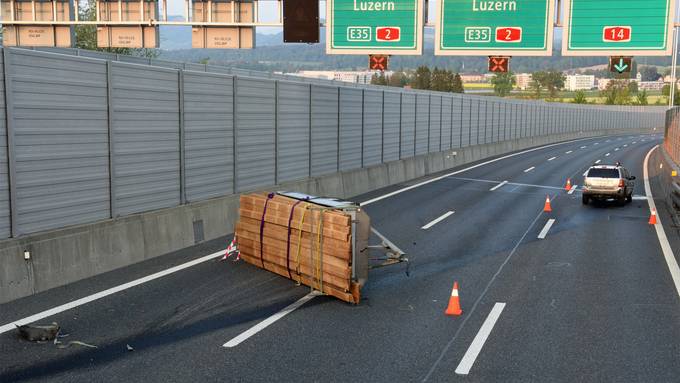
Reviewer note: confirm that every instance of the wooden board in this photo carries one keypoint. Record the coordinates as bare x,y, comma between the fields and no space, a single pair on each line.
280,242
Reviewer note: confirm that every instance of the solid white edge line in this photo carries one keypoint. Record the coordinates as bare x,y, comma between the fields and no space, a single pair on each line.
530,169
573,189
500,185
436,221
269,321
105,293
392,194
476,346
660,233
546,228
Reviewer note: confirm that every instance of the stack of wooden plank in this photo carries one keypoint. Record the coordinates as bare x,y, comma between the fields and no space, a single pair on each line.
308,243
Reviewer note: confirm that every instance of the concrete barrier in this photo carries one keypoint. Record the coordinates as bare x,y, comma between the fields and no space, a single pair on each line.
59,257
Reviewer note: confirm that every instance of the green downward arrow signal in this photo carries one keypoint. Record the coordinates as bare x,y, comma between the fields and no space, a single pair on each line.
621,66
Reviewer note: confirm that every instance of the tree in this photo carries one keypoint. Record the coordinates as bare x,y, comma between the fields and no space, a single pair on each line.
378,79
438,80
554,82
649,73
642,98
503,84
666,90
86,35
457,85
398,79
580,97
537,81
551,80
421,79
616,93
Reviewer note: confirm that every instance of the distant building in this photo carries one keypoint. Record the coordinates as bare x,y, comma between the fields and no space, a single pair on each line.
602,83
579,82
470,78
651,85
357,77
523,80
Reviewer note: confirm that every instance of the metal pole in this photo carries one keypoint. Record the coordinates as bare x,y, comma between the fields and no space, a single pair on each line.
674,69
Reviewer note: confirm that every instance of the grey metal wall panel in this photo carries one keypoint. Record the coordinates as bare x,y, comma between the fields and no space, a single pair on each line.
195,67
255,133
146,138
475,130
466,122
5,223
292,133
324,129
60,140
373,114
167,64
422,123
435,124
134,59
408,124
496,121
217,69
447,125
391,121
457,122
98,55
208,135
350,128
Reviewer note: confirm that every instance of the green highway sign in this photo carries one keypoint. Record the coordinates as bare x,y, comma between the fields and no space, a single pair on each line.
618,27
494,28
374,27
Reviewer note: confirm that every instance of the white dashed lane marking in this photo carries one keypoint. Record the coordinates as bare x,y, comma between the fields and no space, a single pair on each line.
530,169
436,221
546,228
500,185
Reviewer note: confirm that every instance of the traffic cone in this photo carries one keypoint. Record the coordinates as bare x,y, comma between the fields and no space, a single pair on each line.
652,217
568,186
547,207
454,302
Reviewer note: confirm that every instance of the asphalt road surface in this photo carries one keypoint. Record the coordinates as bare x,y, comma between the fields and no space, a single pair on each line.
593,300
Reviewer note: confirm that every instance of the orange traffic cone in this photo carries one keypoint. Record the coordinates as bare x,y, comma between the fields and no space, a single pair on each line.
454,302
652,217
568,186
547,207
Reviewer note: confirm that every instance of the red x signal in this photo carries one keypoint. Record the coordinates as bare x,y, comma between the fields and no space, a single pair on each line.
377,62
498,64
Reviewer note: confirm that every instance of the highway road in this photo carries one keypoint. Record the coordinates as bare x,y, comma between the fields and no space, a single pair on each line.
593,300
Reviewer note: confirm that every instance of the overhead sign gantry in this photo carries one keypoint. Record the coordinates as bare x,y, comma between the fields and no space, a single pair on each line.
37,23
622,27
494,28
374,27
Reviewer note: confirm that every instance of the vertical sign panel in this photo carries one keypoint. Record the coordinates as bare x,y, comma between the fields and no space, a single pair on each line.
494,28
621,27
378,27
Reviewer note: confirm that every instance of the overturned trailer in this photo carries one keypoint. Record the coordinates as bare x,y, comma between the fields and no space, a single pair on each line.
319,242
